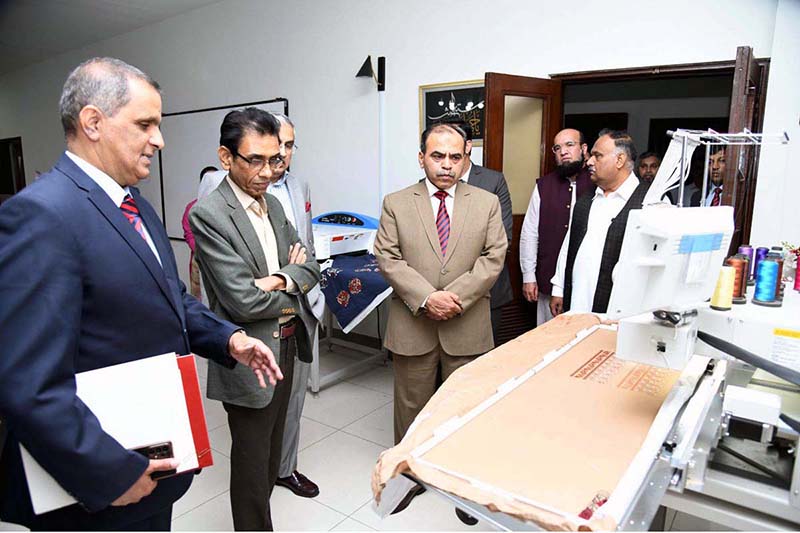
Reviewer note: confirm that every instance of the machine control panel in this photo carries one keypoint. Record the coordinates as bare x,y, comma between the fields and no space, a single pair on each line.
342,219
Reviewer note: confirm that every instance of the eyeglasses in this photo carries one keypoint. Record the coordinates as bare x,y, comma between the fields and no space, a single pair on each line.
257,164
569,144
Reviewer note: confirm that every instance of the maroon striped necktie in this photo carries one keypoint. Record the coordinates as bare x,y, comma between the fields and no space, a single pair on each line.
131,212
442,221
717,199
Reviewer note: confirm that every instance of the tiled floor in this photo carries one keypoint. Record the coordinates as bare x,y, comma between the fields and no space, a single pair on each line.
343,430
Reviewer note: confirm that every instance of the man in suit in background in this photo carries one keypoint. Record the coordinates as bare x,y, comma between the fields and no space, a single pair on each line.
716,172
647,166
495,183
257,273
295,196
547,219
88,280
441,246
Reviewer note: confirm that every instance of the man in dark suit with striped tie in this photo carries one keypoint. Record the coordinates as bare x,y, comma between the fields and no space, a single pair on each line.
88,280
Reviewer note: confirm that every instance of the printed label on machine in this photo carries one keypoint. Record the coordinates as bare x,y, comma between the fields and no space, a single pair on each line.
786,348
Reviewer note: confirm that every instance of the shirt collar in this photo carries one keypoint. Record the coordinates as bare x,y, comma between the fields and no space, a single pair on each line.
432,189
281,182
103,180
624,191
465,177
245,199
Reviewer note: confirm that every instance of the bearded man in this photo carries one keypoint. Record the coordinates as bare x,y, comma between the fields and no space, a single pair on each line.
547,219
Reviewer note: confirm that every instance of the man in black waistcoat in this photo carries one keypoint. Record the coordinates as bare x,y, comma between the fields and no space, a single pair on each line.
547,219
583,279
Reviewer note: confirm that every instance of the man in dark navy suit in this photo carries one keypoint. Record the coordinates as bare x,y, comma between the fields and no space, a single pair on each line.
88,280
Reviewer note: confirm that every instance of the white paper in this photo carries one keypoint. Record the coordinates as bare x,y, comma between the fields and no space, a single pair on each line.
138,403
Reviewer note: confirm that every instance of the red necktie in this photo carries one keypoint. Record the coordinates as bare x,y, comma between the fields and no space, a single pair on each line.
442,221
715,201
131,212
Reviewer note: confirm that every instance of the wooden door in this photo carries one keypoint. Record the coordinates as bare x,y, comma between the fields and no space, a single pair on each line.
523,116
747,112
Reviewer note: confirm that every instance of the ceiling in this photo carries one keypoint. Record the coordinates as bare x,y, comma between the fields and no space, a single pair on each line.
34,30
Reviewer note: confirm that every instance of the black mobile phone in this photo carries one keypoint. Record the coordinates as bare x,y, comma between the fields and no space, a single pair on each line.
161,450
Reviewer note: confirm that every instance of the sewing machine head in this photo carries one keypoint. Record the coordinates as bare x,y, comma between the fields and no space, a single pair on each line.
669,263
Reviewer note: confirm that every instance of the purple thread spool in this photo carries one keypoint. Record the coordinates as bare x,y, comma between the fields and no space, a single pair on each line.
747,250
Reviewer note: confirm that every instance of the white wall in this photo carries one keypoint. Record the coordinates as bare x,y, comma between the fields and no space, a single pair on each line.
778,189
309,51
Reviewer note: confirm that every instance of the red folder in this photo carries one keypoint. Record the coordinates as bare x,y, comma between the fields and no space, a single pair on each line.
194,405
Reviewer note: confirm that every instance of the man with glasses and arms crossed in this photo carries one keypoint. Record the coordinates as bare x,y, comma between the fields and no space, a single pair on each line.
256,273
547,219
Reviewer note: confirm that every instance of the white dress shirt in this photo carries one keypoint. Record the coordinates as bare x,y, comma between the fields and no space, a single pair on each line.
529,235
113,190
586,269
259,217
449,201
280,190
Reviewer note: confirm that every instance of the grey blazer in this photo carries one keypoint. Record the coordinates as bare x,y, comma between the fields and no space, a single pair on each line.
494,182
230,259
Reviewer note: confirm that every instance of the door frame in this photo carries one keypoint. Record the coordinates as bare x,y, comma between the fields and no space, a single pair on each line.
15,143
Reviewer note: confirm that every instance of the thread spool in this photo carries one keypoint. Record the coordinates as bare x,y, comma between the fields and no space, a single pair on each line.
797,276
779,281
747,250
760,253
739,264
723,294
766,283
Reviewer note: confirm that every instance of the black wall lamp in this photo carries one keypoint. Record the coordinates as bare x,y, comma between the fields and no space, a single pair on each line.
366,71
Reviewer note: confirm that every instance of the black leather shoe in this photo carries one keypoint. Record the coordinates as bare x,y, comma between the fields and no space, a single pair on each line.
467,519
299,484
413,493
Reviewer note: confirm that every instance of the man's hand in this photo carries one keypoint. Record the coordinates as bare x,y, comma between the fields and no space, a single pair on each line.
255,354
144,485
530,291
443,305
556,305
297,254
271,283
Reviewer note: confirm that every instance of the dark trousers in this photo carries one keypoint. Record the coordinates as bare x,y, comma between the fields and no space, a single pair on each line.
257,435
496,315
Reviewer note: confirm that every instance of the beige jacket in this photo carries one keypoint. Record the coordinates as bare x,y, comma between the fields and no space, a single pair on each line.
408,252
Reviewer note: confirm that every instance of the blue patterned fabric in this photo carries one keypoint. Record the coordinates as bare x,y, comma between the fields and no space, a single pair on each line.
350,285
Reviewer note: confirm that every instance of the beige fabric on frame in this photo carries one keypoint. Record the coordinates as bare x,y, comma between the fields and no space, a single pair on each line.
559,439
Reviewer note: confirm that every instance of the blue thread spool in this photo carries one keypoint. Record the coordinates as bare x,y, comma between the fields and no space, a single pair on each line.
766,282
778,256
760,253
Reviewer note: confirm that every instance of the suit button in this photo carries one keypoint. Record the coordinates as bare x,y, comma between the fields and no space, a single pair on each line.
566,226
275,334
443,271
